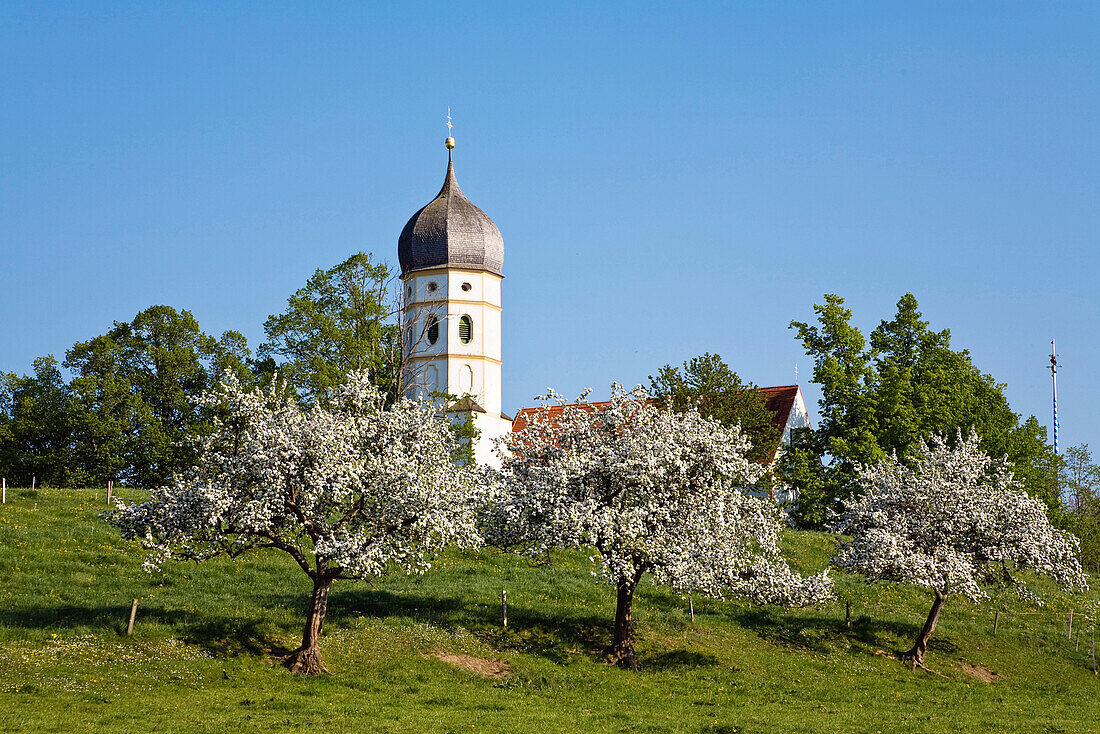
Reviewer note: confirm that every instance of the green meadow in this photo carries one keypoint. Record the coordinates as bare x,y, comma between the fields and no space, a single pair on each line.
429,654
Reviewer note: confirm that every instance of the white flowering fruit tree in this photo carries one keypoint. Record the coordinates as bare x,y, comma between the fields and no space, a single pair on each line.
652,491
951,523
348,490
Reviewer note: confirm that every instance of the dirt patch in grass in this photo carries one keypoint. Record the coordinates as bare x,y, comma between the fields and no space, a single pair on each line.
980,672
482,666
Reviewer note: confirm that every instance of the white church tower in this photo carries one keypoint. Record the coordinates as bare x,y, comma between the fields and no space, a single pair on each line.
451,258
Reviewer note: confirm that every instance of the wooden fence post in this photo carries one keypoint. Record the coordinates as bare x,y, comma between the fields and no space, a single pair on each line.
847,613
5,490
34,479
996,619
504,605
1069,626
691,607
110,486
133,613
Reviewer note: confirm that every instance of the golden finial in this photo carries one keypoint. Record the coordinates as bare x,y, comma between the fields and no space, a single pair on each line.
450,141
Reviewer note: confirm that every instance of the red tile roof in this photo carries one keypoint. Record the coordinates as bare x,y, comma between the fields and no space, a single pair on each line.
779,399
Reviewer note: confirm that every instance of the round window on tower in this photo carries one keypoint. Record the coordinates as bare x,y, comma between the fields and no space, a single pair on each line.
433,286
433,329
466,287
465,329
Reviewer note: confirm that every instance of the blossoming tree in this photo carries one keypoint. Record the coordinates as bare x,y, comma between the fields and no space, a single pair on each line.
652,491
955,520
348,491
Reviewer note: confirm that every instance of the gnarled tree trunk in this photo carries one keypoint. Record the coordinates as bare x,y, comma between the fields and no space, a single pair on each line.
622,648
916,653
307,658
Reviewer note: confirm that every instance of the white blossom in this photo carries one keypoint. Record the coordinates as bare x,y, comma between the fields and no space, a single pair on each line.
953,521
651,490
356,486
349,490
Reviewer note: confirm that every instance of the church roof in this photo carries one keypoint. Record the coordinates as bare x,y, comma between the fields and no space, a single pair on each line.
780,400
450,232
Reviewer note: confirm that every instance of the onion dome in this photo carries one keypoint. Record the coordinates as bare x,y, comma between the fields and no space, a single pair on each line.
450,232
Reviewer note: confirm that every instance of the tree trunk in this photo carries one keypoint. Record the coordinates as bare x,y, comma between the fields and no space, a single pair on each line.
307,658
916,653
622,649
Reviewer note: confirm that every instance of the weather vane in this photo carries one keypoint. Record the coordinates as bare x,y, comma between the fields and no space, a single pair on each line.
450,140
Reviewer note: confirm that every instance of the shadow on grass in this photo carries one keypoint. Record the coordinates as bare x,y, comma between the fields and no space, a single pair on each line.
220,636
553,637
823,634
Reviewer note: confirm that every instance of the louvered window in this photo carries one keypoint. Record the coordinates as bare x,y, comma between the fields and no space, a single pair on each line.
465,329
433,329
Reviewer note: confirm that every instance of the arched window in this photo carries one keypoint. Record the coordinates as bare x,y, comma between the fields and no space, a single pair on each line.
465,329
431,378
433,329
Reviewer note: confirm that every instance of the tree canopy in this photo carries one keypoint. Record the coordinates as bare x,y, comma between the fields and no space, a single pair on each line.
707,384
653,491
341,320
35,425
131,410
347,489
136,395
950,520
882,396
1081,494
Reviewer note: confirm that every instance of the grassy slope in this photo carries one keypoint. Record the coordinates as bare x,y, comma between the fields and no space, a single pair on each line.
201,657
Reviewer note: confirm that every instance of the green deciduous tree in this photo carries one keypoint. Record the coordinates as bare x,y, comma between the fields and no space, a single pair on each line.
34,425
707,384
883,396
137,413
340,321
1080,487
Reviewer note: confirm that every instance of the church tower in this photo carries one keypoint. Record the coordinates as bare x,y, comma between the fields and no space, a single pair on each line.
451,257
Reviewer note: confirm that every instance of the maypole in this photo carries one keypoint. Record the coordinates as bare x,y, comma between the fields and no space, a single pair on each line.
1054,379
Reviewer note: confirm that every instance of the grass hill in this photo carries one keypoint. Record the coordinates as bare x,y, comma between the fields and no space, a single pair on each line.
429,653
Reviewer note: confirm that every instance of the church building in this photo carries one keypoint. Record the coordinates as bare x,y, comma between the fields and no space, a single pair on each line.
452,260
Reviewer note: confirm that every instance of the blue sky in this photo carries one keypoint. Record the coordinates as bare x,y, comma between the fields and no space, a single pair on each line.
669,180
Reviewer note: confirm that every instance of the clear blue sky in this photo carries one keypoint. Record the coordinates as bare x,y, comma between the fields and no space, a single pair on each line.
668,180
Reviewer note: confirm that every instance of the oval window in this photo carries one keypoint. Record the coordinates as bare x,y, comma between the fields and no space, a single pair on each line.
431,378
466,286
409,338
465,329
433,287
466,378
433,329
